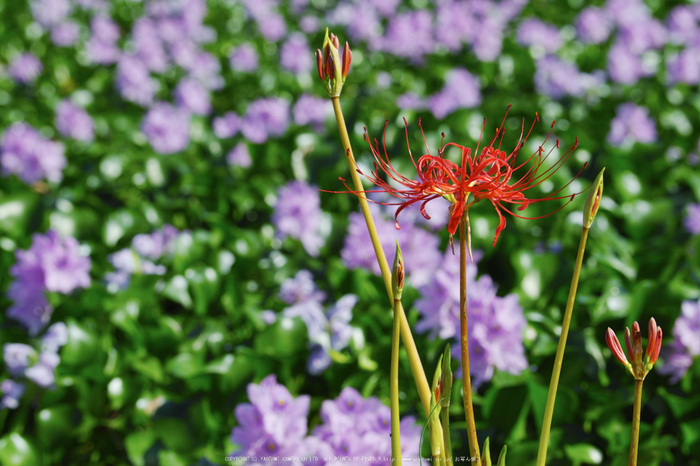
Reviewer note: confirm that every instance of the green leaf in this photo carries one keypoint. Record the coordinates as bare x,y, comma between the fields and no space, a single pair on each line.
176,289
136,445
15,450
583,453
502,456
15,212
184,366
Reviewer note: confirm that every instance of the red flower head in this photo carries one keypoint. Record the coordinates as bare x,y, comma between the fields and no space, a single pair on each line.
489,175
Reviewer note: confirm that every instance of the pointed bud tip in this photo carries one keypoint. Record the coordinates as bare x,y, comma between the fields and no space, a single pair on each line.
593,201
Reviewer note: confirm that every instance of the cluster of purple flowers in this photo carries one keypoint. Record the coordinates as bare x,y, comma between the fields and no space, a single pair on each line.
496,324
52,263
419,246
26,153
678,356
22,360
74,122
328,330
138,259
692,219
298,215
274,424
631,124
25,68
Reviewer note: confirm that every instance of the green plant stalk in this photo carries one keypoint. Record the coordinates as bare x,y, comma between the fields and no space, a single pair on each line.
410,345
464,342
556,371
445,417
394,386
636,418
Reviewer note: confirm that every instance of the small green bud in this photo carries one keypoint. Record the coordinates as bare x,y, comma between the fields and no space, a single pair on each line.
446,377
332,68
486,457
397,275
593,200
502,456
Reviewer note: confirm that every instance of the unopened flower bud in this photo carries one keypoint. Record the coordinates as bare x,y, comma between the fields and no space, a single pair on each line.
332,68
397,275
447,379
641,363
593,200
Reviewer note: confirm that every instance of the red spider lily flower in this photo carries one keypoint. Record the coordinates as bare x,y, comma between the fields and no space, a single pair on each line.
641,363
489,175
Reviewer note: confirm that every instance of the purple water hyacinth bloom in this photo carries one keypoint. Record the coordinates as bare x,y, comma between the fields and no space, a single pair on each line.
273,423
557,78
462,90
104,29
26,153
631,124
265,118
30,307
149,47
49,13
157,244
419,247
12,392
42,373
207,70
532,31
18,357
678,357
167,128
25,68
296,55
300,289
454,24
411,101
487,45
685,66
645,34
227,126
692,219
309,110
297,215
624,66
192,96
593,26
134,82
239,156
309,24
682,25
409,35
55,337
65,34
272,27
74,122
102,46
183,53
244,58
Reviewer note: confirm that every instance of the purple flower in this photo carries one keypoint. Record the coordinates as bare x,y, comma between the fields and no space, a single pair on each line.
55,337
410,101
49,13
300,289
227,126
557,78
149,47
685,67
645,34
192,96
682,25
102,46
265,118
272,27
296,55
532,31
593,26
297,215
25,68
167,128
409,35
206,68
65,34
134,81
30,306
244,58
685,346
42,373
496,324
27,154
74,122
273,423
157,244
488,42
239,156
631,124
18,357
624,66
455,24
462,90
692,219
12,392
309,110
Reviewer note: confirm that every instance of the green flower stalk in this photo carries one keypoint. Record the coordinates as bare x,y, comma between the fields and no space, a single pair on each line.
443,395
437,446
639,368
333,73
589,212
397,279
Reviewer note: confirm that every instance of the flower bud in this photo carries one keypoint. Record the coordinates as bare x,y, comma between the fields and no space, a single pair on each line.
332,68
593,200
446,381
397,275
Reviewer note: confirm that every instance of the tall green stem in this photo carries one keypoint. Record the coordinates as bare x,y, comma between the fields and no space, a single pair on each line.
410,345
445,418
636,418
464,342
556,371
394,386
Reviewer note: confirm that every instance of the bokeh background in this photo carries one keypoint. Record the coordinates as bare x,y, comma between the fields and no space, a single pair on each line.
176,288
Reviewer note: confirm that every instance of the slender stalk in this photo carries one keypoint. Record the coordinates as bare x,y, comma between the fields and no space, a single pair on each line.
464,341
636,417
445,417
394,386
556,371
410,345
